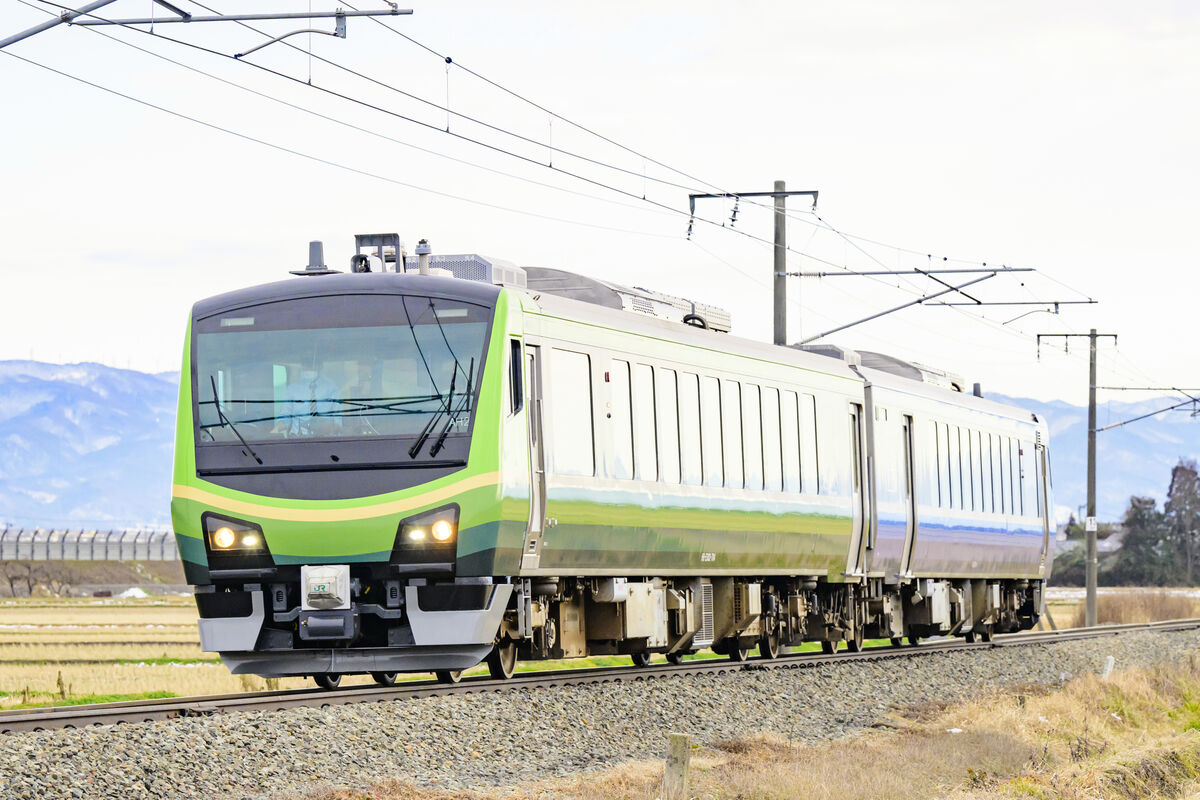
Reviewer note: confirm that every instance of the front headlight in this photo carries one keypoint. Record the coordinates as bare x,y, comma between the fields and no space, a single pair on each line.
226,535
428,536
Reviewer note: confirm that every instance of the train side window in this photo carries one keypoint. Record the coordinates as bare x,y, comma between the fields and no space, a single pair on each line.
710,431
972,494
1014,469
516,394
997,475
622,420
1026,478
645,445
809,456
789,435
985,467
571,412
1002,472
935,455
690,456
956,481
667,415
731,430
772,446
752,442
944,461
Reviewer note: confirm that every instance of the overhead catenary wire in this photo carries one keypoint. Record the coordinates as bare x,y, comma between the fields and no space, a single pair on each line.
336,120
601,184
325,161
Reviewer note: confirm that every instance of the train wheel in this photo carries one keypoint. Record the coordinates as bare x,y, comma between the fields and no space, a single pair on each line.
829,648
675,658
641,658
768,645
502,661
384,678
987,632
855,643
449,675
738,653
328,680
897,641
914,640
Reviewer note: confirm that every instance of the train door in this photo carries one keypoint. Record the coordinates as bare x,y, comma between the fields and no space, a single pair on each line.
860,513
1042,459
910,496
531,555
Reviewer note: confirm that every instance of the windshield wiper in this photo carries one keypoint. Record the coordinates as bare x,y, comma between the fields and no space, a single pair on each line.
433,420
466,399
221,416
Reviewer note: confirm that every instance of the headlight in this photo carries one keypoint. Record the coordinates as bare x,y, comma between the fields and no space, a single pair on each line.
231,535
428,536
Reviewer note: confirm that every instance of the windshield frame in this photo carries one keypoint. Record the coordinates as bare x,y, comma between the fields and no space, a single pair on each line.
325,453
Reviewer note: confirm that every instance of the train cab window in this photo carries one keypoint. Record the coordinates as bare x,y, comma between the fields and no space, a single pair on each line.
731,433
667,418
710,431
690,456
571,413
772,446
809,457
789,436
645,444
621,409
516,394
752,443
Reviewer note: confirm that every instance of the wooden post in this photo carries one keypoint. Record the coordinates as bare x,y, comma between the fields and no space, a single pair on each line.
679,756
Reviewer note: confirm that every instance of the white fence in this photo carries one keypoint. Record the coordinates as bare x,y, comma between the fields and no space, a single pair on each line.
25,544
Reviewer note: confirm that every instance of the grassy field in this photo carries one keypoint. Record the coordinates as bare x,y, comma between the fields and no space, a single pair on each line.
1136,735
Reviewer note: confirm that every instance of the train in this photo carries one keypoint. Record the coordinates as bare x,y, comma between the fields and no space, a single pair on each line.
425,463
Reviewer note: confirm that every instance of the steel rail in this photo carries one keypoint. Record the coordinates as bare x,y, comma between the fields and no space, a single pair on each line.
204,705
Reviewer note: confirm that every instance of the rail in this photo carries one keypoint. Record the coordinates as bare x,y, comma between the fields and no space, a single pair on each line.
173,708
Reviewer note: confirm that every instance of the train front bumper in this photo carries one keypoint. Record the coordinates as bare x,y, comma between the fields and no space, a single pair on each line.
438,626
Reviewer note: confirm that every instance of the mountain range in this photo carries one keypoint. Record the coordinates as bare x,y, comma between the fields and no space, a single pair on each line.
88,445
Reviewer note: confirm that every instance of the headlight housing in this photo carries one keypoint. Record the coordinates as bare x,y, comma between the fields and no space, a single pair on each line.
431,536
234,543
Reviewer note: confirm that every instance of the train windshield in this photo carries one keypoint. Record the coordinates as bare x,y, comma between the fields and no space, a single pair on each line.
341,366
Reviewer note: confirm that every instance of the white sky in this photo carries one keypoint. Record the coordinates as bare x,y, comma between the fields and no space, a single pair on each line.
1061,136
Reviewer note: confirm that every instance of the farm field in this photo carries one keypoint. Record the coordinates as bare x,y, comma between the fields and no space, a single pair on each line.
57,651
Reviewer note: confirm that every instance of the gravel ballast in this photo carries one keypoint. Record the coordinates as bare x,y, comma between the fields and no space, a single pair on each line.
502,738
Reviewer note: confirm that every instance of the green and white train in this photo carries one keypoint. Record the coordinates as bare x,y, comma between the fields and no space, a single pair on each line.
387,471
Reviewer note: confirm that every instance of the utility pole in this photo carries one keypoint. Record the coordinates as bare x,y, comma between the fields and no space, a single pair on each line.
779,256
1089,524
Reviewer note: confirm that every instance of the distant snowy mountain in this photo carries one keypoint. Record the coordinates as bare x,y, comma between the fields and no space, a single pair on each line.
1134,459
91,445
85,445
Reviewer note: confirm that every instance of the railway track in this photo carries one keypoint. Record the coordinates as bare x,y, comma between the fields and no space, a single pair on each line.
178,707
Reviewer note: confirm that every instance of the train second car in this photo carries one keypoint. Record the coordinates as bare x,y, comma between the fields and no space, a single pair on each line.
420,468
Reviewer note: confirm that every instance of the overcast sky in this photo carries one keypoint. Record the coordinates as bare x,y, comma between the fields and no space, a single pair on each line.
1058,136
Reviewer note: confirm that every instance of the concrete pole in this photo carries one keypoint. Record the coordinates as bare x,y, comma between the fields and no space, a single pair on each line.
1091,484
780,263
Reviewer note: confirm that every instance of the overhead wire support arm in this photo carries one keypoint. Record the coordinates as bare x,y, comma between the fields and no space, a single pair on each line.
339,31
65,17
913,271
919,301
389,12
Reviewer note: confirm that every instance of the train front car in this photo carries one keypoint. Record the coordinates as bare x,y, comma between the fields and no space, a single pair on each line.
336,496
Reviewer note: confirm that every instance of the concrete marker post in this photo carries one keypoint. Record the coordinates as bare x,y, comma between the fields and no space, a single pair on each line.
679,756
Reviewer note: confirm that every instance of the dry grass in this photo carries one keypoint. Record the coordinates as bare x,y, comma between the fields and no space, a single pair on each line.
1136,735
1141,605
